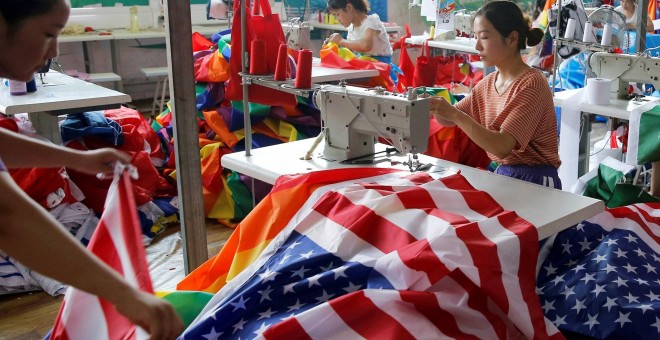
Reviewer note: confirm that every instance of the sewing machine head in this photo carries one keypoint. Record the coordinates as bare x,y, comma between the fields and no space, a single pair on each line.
355,117
624,69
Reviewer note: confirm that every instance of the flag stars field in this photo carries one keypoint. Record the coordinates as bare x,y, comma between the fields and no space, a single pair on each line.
616,283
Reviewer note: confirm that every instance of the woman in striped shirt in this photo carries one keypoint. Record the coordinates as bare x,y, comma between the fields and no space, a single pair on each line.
510,113
28,38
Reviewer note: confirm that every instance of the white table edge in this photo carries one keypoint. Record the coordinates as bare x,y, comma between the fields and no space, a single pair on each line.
584,207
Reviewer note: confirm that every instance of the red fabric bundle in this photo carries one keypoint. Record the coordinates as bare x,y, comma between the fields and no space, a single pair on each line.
425,69
200,42
268,28
405,64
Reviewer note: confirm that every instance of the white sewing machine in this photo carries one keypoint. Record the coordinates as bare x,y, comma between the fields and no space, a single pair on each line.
624,69
355,117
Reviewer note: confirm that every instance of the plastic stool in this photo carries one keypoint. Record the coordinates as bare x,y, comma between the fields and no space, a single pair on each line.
161,86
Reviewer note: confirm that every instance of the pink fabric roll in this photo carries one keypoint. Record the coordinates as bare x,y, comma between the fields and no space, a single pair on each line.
304,71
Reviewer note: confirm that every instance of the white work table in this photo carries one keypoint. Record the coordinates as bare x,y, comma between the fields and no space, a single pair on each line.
321,74
574,132
338,27
459,44
549,210
123,34
617,108
115,35
59,95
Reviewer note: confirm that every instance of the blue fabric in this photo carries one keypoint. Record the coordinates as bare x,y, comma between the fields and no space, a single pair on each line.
652,40
80,125
534,174
599,281
211,97
258,141
571,72
220,35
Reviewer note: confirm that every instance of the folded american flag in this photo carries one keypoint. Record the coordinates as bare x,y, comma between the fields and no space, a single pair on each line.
395,256
600,278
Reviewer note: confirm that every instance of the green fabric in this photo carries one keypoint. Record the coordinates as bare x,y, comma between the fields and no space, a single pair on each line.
627,194
255,109
610,186
188,304
108,3
602,186
649,136
436,91
240,194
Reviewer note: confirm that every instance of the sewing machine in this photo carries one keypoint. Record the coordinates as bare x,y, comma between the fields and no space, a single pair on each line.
463,22
624,69
355,117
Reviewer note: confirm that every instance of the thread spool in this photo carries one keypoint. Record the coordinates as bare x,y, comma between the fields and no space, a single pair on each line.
598,91
281,65
607,35
258,63
569,34
588,35
304,70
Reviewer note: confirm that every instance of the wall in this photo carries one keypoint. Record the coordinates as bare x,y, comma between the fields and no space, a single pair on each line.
134,54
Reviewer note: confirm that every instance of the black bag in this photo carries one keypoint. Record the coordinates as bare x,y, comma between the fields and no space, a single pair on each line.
570,9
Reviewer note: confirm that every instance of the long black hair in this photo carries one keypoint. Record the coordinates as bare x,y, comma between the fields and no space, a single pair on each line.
15,11
359,5
506,17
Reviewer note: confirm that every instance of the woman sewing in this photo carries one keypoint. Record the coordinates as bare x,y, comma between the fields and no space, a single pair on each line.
629,9
510,113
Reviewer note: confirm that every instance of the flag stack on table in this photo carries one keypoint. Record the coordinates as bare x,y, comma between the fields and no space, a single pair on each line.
399,255
601,277
117,241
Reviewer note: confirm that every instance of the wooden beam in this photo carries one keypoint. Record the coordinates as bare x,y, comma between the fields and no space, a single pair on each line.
186,144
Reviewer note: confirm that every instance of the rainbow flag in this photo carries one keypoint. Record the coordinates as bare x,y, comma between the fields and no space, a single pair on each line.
251,237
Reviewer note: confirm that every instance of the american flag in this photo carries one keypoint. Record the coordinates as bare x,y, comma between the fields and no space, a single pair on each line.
396,256
600,278
117,241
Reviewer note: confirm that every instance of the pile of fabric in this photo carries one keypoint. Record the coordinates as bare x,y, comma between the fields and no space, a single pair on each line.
76,199
424,258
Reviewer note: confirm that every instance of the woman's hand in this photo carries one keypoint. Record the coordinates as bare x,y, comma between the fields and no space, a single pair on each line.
335,38
153,314
443,112
100,161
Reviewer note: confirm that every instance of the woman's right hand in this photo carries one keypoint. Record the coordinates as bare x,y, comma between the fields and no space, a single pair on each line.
154,315
442,111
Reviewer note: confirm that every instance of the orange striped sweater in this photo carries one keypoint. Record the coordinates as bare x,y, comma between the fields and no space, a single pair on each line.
525,110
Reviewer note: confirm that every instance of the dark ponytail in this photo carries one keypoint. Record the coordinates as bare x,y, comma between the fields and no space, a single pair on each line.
507,17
